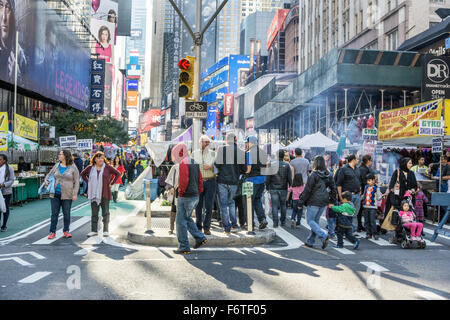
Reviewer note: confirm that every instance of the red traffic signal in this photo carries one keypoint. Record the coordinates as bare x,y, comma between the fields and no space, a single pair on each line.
184,64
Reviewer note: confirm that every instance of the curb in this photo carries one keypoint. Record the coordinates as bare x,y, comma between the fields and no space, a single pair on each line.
234,240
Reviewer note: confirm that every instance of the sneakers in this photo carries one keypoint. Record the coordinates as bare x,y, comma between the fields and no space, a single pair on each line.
92,234
308,245
207,232
3,229
368,236
325,243
376,237
171,232
292,224
338,246
234,229
106,234
227,233
356,245
179,251
262,225
199,244
67,235
51,236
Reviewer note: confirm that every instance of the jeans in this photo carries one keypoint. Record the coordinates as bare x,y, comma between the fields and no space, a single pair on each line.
257,207
331,226
278,201
227,206
313,215
104,204
296,212
185,223
356,200
209,191
348,234
370,223
56,205
240,203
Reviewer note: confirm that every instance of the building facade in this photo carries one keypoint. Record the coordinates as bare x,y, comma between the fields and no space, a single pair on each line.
255,26
368,24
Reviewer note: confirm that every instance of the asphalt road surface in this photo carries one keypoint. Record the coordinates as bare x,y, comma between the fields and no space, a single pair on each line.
109,268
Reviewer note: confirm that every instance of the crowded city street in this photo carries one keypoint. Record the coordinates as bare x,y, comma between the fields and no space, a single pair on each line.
203,153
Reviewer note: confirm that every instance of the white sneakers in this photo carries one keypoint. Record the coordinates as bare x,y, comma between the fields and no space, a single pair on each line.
92,234
106,234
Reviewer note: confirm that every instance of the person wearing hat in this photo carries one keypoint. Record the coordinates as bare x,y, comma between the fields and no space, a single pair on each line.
190,186
256,160
205,158
8,44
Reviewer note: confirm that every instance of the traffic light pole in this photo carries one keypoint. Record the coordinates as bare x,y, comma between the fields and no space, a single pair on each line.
197,37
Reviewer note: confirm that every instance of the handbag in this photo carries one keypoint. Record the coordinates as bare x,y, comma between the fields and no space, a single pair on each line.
387,225
2,203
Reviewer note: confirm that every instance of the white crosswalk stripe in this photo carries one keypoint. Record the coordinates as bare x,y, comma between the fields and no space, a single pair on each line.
35,277
59,234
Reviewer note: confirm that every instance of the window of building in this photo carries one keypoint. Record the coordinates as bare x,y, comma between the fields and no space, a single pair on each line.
392,40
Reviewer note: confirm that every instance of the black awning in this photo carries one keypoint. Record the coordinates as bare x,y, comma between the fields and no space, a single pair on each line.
426,37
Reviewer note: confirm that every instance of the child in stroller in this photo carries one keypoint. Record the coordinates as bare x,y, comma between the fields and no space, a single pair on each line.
408,232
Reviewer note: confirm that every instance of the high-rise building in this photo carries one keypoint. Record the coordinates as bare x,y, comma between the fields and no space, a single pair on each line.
229,21
138,27
361,24
255,26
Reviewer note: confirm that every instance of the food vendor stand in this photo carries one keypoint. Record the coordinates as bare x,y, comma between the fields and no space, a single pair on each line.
401,127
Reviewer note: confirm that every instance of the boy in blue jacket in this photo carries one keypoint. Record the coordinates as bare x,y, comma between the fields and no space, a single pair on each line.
345,213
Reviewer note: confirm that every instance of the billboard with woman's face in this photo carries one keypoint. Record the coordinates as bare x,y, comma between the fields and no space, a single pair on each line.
51,61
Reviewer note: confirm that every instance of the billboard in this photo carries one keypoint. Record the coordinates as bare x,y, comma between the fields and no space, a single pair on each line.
133,84
404,122
46,52
25,127
105,11
132,99
133,70
228,104
276,26
149,120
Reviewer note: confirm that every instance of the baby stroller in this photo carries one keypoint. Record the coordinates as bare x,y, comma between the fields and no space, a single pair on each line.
402,234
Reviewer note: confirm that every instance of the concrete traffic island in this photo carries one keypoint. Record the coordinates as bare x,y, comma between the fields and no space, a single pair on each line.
161,237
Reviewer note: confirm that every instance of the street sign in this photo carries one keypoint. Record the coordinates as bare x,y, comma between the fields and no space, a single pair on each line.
431,127
84,144
196,109
370,134
68,142
247,189
436,145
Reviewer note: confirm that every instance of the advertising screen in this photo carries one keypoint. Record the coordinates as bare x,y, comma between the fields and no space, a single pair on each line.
277,24
133,85
46,54
132,99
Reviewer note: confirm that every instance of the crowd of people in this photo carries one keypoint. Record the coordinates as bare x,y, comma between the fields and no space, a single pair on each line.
348,195
211,179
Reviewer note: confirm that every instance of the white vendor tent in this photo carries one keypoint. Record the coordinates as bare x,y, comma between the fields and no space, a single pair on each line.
316,140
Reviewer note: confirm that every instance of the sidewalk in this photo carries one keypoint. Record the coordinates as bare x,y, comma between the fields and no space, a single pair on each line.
31,213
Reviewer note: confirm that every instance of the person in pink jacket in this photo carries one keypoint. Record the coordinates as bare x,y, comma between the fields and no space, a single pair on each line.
296,189
408,220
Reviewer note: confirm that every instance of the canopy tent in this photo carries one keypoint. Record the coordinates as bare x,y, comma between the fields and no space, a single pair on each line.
316,140
20,143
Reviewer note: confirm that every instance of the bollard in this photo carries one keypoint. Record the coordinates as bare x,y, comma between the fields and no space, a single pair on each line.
249,215
149,207
247,191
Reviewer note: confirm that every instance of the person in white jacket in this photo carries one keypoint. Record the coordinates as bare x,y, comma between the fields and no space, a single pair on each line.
6,182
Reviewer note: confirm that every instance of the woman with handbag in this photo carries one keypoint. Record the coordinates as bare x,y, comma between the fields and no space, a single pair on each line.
6,181
67,184
100,177
402,180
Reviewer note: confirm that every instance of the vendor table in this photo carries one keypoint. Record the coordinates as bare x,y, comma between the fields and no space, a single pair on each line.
19,193
32,184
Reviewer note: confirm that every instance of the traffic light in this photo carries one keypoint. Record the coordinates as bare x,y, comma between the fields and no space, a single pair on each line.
186,66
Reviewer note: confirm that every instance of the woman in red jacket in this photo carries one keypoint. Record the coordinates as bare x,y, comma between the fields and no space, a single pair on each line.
100,177
118,165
